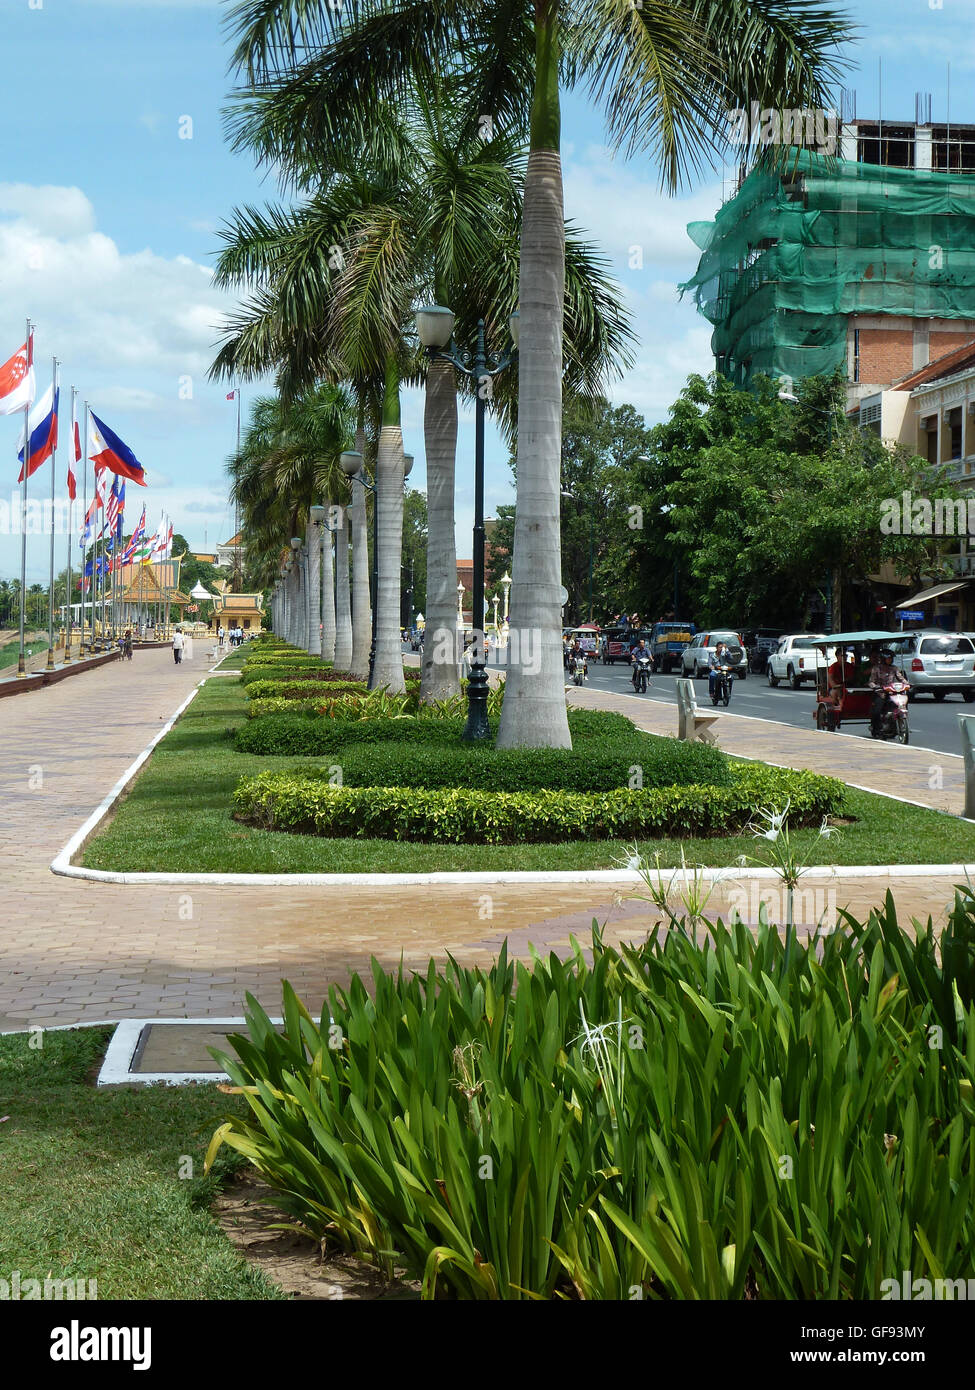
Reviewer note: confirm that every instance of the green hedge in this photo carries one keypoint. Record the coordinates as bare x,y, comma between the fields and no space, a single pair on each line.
291,697
309,805
294,674
287,735
640,760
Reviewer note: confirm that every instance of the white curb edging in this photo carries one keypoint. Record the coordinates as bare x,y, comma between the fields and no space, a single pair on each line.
62,865
116,1068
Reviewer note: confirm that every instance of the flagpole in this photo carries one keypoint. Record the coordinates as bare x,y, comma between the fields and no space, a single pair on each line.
21,663
237,574
67,601
54,478
84,548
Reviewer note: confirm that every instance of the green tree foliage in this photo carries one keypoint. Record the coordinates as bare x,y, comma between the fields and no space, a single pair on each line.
768,497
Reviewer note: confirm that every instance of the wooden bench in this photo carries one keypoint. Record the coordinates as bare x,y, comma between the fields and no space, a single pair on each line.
693,725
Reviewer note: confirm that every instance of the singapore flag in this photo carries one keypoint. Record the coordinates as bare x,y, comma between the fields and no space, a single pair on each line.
17,379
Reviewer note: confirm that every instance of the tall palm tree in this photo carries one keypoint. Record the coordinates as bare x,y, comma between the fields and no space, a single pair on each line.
439,221
666,72
288,459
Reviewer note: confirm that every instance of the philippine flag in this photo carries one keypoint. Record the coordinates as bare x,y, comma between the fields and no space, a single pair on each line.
17,379
43,432
108,451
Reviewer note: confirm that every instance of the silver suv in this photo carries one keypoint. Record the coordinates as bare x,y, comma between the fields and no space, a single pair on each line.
938,661
695,657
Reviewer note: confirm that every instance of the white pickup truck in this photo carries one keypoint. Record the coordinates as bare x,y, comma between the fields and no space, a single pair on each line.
795,659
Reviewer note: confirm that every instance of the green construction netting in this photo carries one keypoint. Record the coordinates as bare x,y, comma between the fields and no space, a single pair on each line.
789,257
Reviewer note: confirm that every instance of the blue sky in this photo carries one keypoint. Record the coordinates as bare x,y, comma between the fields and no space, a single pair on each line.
107,222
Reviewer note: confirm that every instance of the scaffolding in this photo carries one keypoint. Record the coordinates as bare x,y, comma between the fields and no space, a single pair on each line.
794,254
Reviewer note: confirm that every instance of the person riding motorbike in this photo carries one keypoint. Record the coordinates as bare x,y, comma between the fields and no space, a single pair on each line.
639,649
717,659
882,673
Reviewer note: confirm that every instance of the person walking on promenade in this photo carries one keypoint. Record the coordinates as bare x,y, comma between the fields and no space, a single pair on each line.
178,645
127,644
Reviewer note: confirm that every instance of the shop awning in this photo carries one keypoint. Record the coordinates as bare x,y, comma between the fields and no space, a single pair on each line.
926,594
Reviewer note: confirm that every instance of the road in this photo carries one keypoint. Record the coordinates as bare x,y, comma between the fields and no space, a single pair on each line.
932,725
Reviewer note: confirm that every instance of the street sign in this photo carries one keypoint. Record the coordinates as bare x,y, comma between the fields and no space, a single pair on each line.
911,615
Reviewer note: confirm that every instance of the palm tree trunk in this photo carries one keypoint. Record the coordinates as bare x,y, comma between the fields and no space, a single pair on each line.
313,545
343,612
388,667
328,588
361,608
533,714
441,660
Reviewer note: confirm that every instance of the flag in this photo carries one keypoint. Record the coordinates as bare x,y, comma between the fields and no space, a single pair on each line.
231,394
43,422
96,502
157,546
135,539
102,493
111,509
120,509
74,455
17,379
108,451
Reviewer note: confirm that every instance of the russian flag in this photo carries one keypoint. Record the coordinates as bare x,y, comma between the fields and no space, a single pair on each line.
43,420
108,451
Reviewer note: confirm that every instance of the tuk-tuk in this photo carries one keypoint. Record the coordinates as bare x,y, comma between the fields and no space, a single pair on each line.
667,642
843,692
619,640
588,638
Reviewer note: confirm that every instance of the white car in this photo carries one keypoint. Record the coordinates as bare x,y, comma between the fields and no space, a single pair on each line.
795,659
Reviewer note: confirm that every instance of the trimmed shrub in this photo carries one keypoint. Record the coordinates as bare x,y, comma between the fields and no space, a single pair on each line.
288,735
296,693
302,673
640,761
309,805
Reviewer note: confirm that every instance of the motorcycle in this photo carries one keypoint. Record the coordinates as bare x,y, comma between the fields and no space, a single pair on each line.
641,673
893,717
578,668
721,686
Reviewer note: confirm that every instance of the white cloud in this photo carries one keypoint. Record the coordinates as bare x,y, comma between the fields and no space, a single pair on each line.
619,206
95,304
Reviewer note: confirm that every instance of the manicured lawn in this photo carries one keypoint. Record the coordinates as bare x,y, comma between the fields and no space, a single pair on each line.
177,819
90,1184
10,651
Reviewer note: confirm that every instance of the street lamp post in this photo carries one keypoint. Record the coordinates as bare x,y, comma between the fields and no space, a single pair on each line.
435,327
352,466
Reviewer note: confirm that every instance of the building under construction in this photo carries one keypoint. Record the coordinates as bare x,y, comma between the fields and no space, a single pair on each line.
863,260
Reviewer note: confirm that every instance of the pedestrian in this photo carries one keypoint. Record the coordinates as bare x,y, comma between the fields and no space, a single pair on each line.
178,645
220,636
128,644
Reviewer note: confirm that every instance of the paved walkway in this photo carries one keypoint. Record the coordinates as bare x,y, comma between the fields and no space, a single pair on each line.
75,951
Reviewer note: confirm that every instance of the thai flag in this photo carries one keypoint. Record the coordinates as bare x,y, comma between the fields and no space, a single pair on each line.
43,421
17,379
108,451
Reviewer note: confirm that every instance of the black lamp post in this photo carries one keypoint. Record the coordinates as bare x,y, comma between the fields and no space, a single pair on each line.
352,466
435,327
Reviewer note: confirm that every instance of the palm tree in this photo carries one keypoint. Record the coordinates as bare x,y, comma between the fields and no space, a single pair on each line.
288,458
666,72
441,217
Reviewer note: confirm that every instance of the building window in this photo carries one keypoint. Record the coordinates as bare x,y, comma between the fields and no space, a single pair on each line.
954,423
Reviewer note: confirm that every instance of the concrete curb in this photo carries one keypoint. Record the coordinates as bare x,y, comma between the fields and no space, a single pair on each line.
622,878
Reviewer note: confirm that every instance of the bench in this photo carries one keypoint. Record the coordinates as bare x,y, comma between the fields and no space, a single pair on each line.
966,723
693,725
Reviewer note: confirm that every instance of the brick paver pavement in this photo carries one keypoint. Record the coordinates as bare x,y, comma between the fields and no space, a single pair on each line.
76,951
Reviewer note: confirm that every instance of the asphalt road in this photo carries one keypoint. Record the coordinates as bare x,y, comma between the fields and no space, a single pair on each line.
932,725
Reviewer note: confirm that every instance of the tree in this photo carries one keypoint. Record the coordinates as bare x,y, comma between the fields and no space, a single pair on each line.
768,499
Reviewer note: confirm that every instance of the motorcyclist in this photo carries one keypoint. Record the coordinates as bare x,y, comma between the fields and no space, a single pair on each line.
575,653
882,673
717,659
638,650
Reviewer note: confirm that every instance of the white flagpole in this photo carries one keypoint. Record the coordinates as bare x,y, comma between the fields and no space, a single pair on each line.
67,600
84,548
54,477
21,662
